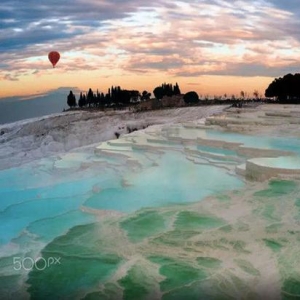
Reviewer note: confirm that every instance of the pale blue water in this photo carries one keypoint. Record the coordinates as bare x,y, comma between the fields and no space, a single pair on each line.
29,195
215,150
174,180
283,162
49,228
43,200
33,193
280,143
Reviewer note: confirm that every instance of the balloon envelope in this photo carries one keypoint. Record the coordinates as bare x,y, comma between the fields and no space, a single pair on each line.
54,57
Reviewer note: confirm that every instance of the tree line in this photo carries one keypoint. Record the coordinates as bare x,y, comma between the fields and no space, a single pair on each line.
285,89
117,97
166,90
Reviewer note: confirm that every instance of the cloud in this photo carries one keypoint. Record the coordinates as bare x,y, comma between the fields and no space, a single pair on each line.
9,77
49,20
180,38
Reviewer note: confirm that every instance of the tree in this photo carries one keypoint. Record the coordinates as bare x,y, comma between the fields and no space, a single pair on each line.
134,96
286,88
166,89
71,99
99,99
256,94
243,94
82,100
124,97
176,89
145,95
90,97
191,97
158,92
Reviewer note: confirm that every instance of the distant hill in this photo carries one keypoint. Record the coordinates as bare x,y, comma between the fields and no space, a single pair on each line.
19,108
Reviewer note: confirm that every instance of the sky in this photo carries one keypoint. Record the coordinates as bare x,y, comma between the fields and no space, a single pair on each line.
212,47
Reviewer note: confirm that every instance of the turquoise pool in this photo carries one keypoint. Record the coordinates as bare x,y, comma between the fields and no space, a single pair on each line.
125,221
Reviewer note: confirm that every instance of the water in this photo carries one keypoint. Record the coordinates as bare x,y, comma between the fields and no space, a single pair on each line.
173,180
284,162
279,143
152,221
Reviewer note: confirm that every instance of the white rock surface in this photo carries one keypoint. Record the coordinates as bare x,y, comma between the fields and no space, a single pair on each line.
31,139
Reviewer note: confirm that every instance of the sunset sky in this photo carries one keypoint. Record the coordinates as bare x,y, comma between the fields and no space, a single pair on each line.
210,46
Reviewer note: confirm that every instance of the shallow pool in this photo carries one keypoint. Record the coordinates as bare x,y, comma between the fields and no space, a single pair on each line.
280,143
127,222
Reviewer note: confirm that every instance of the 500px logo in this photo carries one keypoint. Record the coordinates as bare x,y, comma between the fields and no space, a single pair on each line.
40,263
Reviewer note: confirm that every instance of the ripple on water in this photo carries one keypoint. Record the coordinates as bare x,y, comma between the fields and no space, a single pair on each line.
277,188
143,225
170,245
49,228
82,265
177,273
174,179
14,220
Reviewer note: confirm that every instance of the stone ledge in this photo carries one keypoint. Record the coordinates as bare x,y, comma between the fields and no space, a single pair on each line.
261,169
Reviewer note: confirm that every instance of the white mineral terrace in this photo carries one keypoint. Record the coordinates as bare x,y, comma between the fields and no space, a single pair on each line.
181,209
265,163
265,168
256,158
269,119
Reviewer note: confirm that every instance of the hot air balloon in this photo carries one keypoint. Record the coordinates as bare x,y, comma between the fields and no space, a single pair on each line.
54,57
